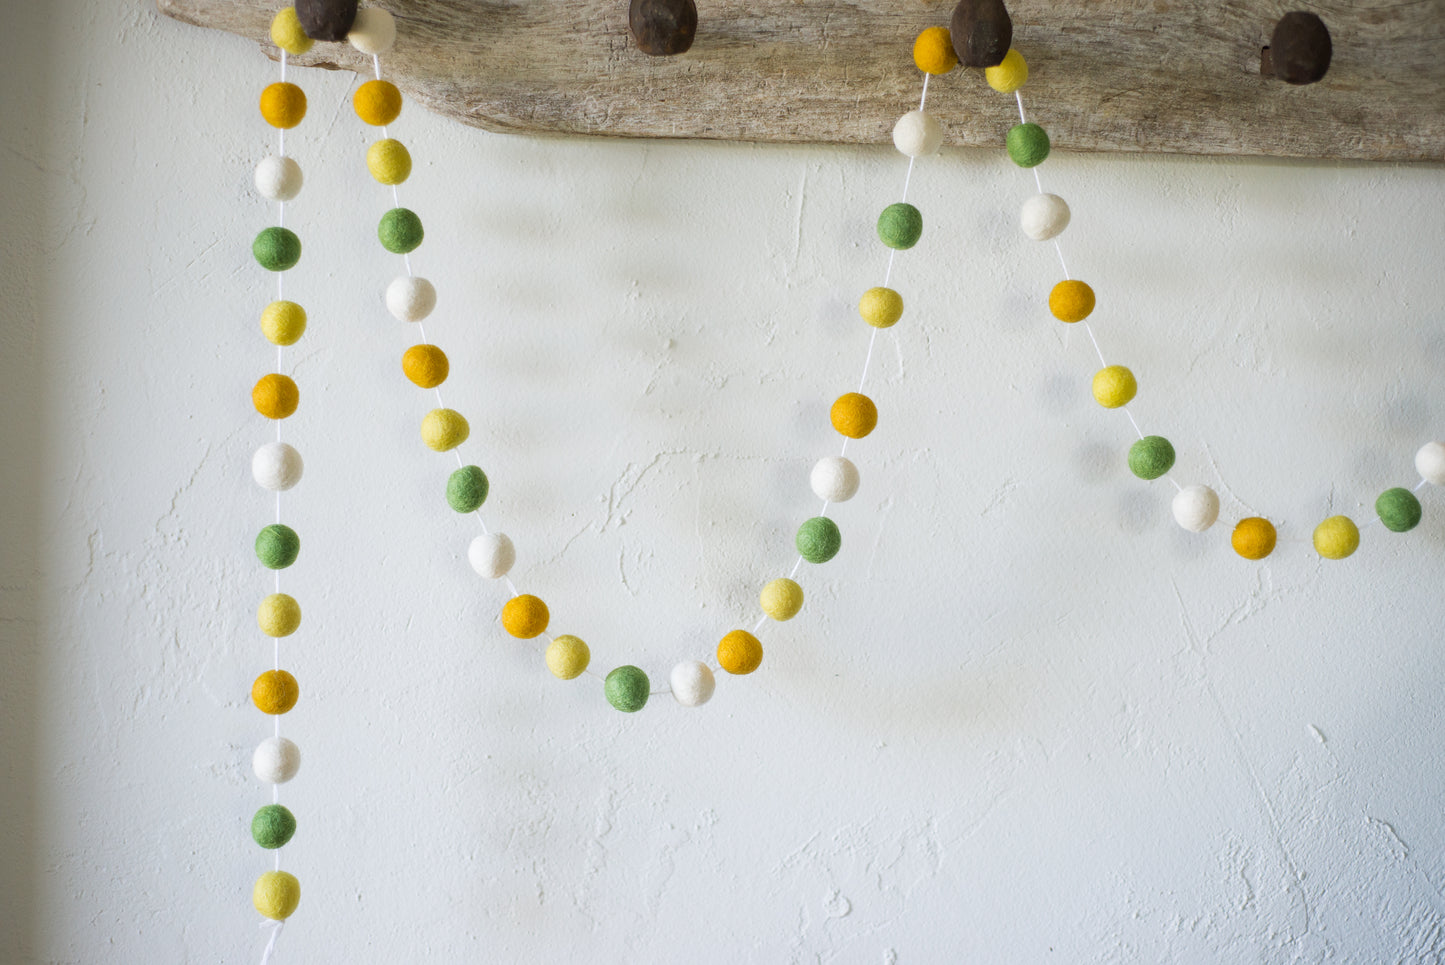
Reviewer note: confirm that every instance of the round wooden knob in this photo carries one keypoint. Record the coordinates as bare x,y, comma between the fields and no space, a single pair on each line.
1300,48
326,19
982,32
662,27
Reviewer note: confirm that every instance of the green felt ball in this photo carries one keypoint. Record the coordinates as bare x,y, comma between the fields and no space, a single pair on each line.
1151,457
272,826
277,546
627,689
277,249
467,489
819,540
400,231
1028,144
900,225
1398,509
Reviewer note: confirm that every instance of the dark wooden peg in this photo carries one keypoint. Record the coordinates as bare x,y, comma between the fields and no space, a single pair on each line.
662,27
326,19
981,32
1299,49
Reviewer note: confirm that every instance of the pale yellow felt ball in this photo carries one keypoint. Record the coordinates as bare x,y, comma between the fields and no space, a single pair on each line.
1114,386
377,102
1009,74
287,33
881,307
278,615
276,895
854,415
1337,537
525,616
389,161
283,105
739,652
933,51
1071,301
444,429
782,599
567,657
283,323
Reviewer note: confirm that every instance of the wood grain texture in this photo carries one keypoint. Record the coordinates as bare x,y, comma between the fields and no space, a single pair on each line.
1174,76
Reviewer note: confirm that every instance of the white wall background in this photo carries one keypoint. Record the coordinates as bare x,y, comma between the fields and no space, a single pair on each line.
1023,718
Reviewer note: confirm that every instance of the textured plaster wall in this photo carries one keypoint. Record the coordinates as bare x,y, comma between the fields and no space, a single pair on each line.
1023,718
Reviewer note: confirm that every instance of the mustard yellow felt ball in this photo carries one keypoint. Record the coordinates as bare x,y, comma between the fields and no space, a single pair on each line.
425,365
1009,74
286,32
275,692
279,615
854,415
781,599
275,396
1337,537
389,161
1114,386
1071,301
933,51
377,102
444,429
567,657
525,616
739,652
881,307
1253,538
283,105
276,895
283,323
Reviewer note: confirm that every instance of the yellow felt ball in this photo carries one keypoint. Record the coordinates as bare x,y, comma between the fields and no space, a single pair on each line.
854,415
283,323
425,365
275,396
567,657
389,161
782,599
881,307
287,33
1071,301
1114,385
279,615
1337,537
1009,74
276,895
283,105
275,692
444,429
1253,538
933,51
525,616
377,102
739,652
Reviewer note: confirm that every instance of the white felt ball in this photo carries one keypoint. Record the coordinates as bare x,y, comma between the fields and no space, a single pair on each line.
492,555
278,178
1195,508
373,31
410,299
692,683
917,134
276,760
276,466
1430,462
834,479
1044,216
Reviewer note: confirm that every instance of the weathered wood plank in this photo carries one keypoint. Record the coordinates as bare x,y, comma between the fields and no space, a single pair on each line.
1175,76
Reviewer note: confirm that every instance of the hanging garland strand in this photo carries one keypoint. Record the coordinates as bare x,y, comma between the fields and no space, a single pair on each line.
411,298
1195,507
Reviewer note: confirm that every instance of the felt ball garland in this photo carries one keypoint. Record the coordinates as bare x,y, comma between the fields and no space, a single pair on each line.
1195,507
834,479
